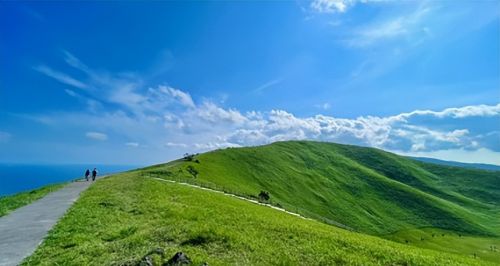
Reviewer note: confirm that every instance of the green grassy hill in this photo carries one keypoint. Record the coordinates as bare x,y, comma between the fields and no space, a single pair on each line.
363,189
366,189
431,210
122,218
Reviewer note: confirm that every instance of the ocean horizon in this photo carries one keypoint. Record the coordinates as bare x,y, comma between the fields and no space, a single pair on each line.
17,177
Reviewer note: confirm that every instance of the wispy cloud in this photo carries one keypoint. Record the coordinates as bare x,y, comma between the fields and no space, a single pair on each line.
61,77
184,98
323,106
410,25
73,61
132,144
96,136
266,85
162,116
176,145
457,112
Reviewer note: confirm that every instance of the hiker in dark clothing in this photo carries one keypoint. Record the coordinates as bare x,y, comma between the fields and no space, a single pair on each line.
87,173
94,174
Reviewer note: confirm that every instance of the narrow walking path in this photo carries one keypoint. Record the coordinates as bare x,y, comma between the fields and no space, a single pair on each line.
253,201
24,229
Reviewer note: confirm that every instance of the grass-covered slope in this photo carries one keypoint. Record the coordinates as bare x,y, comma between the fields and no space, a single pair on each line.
121,218
486,248
366,189
11,202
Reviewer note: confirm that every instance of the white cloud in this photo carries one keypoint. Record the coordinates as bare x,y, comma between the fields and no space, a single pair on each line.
214,145
163,113
155,116
336,6
132,144
417,147
331,6
61,77
324,106
384,132
73,61
172,144
125,89
183,97
481,155
462,112
211,112
96,136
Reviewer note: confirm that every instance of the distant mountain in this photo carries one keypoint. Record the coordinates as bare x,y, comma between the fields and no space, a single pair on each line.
490,167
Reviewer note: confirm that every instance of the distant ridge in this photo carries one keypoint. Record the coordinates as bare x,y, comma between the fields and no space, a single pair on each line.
482,166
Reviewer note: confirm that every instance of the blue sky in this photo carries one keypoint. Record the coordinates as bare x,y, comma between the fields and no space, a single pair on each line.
145,82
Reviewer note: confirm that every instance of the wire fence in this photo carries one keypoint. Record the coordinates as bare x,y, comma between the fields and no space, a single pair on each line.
167,175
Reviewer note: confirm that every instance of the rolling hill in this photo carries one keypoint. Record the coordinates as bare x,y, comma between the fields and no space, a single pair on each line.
361,189
354,196
131,219
365,189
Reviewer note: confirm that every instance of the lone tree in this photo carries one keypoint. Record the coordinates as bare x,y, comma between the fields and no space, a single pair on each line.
188,157
264,196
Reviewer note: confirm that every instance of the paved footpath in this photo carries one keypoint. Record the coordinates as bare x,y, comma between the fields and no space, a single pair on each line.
22,230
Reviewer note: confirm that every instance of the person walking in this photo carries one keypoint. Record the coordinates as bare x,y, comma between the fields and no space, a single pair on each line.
94,174
87,173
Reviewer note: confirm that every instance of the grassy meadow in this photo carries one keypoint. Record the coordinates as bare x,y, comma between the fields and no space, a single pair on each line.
487,248
366,189
122,218
361,189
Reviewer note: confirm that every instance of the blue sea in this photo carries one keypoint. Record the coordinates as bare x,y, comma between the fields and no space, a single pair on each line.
16,178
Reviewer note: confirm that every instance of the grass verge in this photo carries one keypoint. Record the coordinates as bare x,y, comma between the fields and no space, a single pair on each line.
12,202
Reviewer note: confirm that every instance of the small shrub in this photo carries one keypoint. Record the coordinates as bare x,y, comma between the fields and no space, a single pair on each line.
192,171
106,204
264,196
197,240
